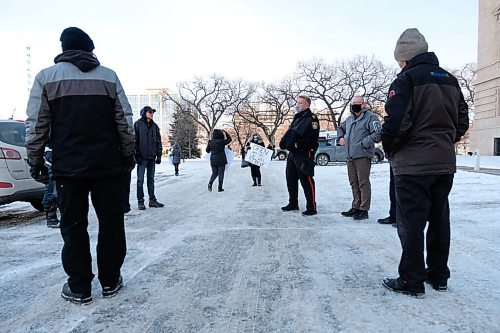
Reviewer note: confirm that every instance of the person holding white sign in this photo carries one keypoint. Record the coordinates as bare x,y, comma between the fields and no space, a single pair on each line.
255,169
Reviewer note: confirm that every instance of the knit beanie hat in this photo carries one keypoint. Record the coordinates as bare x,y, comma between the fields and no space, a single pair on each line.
76,39
410,44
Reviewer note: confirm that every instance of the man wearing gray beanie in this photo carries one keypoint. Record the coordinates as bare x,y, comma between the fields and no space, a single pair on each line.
81,108
426,116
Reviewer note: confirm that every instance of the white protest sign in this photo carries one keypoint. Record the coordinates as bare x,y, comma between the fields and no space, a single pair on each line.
258,155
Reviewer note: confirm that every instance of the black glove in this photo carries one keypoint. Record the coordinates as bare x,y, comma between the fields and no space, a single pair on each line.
128,163
40,173
158,160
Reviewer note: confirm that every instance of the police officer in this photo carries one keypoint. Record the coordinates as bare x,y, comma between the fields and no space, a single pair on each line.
301,140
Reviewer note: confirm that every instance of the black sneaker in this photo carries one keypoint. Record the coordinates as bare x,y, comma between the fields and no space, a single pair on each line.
72,297
350,212
153,203
387,220
209,187
113,290
220,190
361,215
437,286
309,212
402,288
289,207
140,205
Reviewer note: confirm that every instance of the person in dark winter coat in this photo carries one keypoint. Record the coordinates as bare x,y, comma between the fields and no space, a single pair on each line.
301,140
426,116
220,139
255,169
176,157
80,107
148,153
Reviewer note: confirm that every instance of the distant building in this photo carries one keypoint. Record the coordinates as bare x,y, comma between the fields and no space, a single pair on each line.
164,109
485,135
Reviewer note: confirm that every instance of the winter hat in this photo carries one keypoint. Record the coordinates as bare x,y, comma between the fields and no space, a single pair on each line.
146,109
410,44
73,38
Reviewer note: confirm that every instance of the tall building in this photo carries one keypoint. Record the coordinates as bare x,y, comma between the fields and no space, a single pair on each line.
164,108
485,135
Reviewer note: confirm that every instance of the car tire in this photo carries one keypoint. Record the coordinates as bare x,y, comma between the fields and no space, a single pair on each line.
37,204
322,159
281,156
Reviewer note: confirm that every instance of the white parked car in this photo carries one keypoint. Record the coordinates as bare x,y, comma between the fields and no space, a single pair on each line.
16,183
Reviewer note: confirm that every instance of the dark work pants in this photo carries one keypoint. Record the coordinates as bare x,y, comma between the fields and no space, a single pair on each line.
127,178
176,167
421,199
106,194
293,175
217,171
392,195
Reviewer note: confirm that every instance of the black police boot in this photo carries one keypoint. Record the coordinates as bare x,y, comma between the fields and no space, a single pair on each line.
289,208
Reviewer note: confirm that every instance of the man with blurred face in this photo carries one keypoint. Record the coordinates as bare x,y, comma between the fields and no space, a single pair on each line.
358,133
426,116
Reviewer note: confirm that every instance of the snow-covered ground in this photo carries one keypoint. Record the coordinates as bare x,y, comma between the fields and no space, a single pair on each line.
233,262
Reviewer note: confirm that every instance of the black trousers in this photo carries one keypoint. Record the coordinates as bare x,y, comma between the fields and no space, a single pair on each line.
126,180
420,199
255,170
294,174
392,195
106,196
217,171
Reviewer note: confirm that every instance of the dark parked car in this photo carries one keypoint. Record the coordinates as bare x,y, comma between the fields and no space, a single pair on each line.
330,151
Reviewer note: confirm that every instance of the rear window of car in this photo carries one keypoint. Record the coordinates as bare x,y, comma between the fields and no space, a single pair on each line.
13,133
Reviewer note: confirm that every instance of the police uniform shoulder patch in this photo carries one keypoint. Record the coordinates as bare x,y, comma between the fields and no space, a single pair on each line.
315,121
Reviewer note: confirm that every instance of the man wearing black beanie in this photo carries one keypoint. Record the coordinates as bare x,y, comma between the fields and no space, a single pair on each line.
80,107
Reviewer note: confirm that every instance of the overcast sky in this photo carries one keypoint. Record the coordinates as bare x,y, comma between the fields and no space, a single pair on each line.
156,43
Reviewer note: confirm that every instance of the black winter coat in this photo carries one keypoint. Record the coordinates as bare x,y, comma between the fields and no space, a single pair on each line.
147,140
303,133
426,115
216,147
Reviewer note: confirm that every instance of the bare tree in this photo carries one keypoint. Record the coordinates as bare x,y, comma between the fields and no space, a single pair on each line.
207,101
270,107
466,77
336,84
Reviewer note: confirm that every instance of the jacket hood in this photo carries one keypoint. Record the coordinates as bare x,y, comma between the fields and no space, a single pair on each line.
85,61
423,58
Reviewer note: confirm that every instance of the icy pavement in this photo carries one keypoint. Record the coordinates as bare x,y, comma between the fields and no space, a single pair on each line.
233,262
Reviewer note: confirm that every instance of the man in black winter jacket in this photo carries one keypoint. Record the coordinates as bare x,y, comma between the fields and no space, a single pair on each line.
81,109
148,153
426,116
301,140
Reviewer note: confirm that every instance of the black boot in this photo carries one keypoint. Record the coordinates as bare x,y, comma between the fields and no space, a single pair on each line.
51,216
140,205
259,180
153,203
220,188
254,181
209,187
